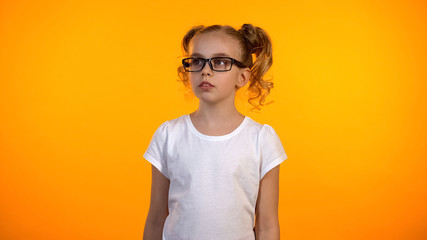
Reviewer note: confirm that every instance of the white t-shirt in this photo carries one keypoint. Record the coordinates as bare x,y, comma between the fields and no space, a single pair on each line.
214,180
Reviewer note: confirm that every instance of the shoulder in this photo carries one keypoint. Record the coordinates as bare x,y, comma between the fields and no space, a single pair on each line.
266,137
260,129
171,126
253,125
176,122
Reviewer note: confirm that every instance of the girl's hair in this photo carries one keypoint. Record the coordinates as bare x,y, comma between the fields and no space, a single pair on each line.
253,41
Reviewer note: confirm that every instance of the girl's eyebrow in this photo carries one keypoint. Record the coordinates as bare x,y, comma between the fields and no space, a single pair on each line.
214,55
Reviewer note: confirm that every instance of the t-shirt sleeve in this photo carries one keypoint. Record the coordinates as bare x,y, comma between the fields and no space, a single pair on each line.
272,151
155,153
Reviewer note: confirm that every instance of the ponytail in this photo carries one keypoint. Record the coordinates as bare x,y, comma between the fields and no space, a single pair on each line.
258,43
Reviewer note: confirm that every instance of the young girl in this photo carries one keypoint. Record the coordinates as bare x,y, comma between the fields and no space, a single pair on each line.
215,169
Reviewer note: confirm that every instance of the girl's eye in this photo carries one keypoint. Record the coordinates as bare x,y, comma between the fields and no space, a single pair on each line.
219,62
196,62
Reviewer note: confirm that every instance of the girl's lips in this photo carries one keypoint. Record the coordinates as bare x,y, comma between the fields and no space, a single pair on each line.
205,84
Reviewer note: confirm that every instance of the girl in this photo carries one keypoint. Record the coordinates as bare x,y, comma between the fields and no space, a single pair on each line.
215,169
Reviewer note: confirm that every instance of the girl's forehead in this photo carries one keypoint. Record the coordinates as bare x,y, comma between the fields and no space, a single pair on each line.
208,44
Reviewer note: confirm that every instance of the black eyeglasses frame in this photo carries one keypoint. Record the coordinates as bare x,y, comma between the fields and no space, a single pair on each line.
233,61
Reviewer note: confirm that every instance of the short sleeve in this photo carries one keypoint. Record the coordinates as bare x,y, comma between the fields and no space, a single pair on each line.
155,153
272,151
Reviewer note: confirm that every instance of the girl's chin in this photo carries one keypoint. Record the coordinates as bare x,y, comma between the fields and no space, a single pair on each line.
212,100
207,99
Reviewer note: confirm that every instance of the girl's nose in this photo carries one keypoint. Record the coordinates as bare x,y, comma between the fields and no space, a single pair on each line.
207,69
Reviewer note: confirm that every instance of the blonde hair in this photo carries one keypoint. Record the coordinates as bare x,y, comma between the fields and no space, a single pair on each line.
253,41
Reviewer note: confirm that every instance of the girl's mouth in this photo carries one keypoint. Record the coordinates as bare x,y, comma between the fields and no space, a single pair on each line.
205,85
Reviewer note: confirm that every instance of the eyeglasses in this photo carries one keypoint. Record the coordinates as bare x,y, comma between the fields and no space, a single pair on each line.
218,64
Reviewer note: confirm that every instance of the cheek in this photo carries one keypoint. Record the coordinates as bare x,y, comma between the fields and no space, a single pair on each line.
192,81
191,78
234,78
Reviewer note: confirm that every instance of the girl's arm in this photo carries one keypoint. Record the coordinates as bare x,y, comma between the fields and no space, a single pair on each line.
158,206
266,211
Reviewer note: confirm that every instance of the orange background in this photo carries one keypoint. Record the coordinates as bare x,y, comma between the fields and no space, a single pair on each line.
84,85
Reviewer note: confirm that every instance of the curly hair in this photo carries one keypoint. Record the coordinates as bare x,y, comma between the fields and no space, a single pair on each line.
253,41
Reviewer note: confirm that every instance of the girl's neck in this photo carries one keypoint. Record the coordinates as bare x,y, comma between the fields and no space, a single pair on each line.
216,113
216,119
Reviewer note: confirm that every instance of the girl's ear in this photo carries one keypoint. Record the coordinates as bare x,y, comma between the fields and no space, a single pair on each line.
244,77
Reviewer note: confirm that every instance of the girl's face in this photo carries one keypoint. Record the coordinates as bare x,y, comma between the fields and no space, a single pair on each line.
210,86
